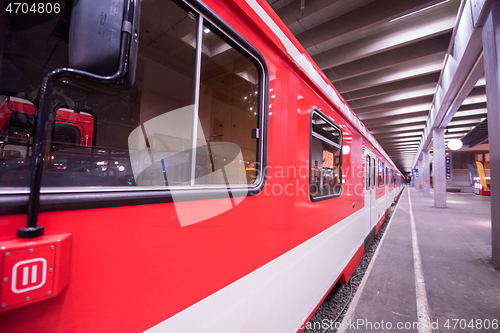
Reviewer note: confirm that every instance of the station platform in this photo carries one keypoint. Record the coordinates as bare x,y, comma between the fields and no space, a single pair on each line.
447,283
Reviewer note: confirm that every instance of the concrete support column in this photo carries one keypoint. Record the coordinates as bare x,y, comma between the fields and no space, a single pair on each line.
420,175
426,173
439,179
491,46
416,177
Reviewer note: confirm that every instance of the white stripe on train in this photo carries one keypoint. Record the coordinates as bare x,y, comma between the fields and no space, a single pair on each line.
292,285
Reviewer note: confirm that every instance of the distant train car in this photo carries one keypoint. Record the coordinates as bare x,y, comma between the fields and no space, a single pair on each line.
194,172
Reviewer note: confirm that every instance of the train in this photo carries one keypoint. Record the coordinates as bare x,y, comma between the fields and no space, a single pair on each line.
175,166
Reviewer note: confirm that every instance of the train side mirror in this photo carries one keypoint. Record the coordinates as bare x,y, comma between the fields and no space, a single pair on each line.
96,43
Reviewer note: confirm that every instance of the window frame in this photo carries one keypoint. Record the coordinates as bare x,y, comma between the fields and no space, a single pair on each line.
380,172
373,173
367,172
13,201
315,110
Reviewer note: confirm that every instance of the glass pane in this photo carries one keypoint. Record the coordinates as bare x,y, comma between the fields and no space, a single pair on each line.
325,168
17,118
373,172
380,173
328,131
228,111
101,136
367,171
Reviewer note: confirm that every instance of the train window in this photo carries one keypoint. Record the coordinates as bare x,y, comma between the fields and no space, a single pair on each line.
228,111
191,120
325,173
380,173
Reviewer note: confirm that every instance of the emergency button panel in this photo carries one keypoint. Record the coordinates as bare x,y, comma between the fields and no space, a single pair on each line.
33,270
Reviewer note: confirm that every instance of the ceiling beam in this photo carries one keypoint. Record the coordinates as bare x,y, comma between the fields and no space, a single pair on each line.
425,65
409,105
411,92
349,25
398,122
398,135
330,54
315,11
390,58
390,87
396,129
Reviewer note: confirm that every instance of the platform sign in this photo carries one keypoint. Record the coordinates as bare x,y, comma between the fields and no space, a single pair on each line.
415,172
448,167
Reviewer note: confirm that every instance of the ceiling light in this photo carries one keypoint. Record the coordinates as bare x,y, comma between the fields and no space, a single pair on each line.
418,11
206,30
455,144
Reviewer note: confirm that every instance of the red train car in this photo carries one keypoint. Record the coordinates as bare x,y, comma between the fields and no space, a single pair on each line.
194,172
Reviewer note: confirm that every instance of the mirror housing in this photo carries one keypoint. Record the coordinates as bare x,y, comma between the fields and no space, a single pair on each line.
95,38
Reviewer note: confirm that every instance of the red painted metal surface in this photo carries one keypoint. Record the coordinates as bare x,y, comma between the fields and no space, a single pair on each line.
5,110
351,266
379,223
83,121
33,270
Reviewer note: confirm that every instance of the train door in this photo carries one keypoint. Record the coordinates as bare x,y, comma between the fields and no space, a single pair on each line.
370,211
388,198
373,200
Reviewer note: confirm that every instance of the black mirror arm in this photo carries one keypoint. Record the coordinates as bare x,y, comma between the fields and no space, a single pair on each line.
32,229
8,105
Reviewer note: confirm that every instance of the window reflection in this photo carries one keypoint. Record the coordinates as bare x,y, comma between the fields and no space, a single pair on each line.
228,111
325,170
380,173
143,136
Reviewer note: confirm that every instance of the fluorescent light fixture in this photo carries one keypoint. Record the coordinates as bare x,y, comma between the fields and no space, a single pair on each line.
418,11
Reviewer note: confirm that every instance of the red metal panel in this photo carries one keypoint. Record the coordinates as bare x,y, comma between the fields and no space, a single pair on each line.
33,270
351,266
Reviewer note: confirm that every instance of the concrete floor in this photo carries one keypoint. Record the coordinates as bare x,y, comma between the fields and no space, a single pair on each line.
462,286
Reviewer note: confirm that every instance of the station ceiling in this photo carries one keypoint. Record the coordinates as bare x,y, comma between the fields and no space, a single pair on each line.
385,58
